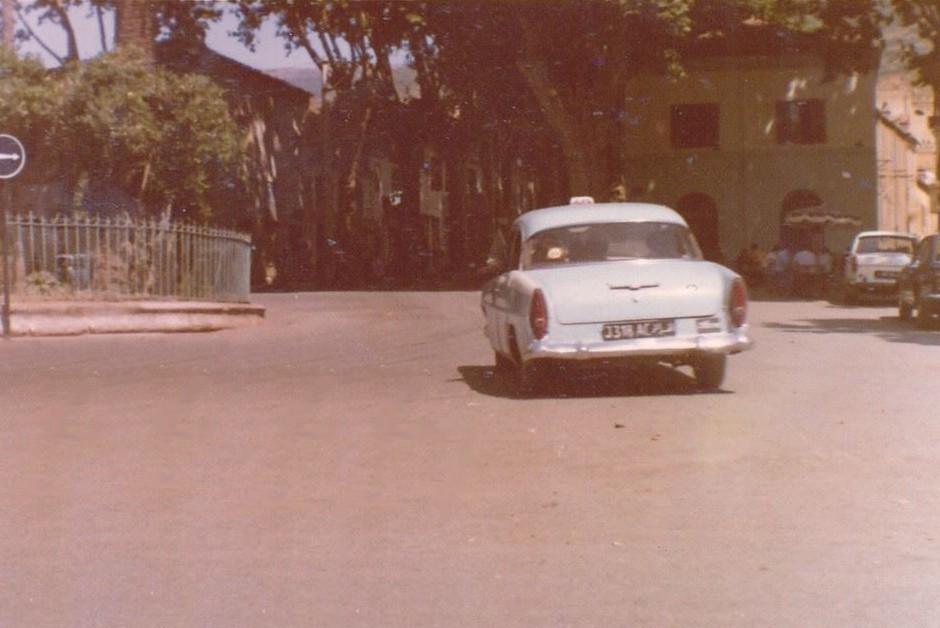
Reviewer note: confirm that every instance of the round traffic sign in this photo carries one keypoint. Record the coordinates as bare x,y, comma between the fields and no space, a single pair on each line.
12,156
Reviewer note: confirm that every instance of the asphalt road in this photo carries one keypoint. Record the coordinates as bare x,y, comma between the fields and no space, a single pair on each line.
352,462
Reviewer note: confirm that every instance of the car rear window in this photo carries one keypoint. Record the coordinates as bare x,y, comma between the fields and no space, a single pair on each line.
885,244
610,242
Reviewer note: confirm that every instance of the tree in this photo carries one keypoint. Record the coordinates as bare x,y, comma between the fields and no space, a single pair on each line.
7,24
576,57
352,44
135,25
924,17
113,129
138,23
922,51
152,137
572,57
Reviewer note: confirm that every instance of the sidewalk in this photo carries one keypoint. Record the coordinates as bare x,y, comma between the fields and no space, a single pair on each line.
67,318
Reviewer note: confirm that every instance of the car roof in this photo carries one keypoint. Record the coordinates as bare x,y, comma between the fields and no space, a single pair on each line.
539,220
897,234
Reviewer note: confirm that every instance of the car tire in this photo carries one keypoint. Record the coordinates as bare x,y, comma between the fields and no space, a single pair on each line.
849,295
709,370
528,378
514,377
524,378
924,317
503,365
905,310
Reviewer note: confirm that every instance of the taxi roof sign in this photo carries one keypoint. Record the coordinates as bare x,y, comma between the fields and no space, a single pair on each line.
581,200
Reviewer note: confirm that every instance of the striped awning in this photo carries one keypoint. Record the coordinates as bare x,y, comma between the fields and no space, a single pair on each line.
820,216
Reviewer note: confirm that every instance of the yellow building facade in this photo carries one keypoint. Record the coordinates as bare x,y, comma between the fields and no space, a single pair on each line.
740,141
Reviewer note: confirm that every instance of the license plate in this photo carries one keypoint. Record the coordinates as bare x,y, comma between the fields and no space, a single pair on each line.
638,329
886,274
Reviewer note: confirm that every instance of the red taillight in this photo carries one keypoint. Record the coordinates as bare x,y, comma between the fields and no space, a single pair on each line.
538,315
737,303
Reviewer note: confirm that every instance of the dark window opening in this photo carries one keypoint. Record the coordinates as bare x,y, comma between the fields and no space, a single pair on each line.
694,125
801,121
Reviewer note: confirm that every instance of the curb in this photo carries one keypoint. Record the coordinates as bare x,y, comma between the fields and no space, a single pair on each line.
71,318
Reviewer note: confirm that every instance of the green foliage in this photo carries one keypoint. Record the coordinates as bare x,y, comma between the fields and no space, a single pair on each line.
30,99
107,118
356,39
560,65
161,138
199,144
922,45
43,283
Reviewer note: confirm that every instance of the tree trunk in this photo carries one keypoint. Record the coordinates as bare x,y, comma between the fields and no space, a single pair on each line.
71,39
9,24
135,25
585,137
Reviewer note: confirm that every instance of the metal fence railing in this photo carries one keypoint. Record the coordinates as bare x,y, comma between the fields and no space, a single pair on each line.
126,257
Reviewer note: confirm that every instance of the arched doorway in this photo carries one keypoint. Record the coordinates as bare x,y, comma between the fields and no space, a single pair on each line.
701,212
797,238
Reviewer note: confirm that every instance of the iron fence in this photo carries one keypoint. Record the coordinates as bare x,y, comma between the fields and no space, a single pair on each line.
126,257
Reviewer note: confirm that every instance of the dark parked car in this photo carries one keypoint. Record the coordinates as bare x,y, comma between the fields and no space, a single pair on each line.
919,283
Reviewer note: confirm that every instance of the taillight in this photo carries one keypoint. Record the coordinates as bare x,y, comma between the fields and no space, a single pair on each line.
538,315
737,303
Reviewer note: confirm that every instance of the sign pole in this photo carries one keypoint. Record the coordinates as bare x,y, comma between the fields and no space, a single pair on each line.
12,160
6,259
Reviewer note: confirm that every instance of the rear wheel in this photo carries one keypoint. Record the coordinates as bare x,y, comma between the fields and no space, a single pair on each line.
904,310
528,378
924,317
524,378
849,295
518,377
503,365
709,370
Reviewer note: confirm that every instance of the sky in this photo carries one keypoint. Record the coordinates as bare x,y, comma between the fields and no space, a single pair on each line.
269,53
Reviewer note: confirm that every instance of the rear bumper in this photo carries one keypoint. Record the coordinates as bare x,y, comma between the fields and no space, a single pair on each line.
671,348
873,284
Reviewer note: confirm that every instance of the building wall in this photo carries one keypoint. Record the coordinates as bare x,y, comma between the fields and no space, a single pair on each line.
907,155
749,174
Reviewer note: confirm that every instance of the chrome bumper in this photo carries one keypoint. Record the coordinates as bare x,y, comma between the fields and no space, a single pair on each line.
726,343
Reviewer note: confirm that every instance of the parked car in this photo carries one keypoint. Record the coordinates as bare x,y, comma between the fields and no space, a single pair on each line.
919,283
874,261
601,284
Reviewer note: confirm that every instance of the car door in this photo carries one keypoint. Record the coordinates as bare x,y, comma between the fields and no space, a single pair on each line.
906,293
922,269
931,267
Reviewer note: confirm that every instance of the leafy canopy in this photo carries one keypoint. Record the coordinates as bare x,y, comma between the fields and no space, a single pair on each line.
562,64
163,139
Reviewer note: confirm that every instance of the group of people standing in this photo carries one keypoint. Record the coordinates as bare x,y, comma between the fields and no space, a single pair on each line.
789,271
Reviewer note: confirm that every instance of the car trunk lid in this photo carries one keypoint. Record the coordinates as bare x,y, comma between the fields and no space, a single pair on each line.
632,290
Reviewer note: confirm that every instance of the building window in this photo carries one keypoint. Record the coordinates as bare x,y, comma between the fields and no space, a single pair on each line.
694,125
801,121
437,175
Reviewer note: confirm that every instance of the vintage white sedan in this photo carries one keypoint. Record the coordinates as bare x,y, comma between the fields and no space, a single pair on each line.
608,283
874,261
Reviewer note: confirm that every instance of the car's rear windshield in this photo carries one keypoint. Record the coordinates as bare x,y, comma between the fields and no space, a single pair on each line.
606,242
884,244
